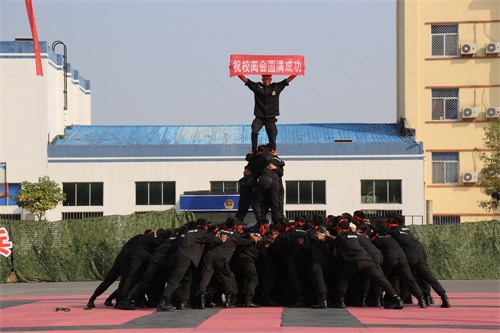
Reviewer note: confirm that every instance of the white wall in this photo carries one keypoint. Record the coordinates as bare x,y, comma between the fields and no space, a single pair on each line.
342,178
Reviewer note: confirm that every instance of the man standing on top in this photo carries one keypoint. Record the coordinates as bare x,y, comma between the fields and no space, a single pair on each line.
266,109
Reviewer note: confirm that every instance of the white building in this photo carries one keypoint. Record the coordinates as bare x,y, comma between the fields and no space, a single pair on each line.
108,170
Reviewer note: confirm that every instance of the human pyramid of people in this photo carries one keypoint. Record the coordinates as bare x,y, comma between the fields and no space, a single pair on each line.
315,261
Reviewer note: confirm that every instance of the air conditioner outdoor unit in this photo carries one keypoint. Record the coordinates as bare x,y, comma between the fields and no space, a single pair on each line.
469,48
493,112
492,48
469,177
468,113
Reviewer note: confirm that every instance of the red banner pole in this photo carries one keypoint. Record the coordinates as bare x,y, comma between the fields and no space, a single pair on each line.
31,18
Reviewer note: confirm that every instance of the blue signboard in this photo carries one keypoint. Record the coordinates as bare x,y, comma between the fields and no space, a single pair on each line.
210,203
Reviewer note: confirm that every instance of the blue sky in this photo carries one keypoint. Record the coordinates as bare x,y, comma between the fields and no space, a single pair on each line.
166,62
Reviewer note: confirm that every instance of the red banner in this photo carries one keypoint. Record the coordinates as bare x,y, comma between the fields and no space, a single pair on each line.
34,33
248,64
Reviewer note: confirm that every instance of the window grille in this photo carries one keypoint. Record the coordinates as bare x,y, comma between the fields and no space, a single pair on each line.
445,168
80,215
442,220
444,104
444,38
13,217
293,214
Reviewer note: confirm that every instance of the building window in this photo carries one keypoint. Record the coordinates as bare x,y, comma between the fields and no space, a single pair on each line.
444,104
450,219
445,168
381,191
83,194
155,193
81,215
224,187
306,192
13,190
444,40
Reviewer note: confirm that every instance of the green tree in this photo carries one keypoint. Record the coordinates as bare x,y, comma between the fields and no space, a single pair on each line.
489,177
40,197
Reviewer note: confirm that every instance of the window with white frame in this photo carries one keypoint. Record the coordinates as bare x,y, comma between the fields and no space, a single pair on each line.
155,193
381,191
83,194
445,168
444,39
306,192
444,104
224,187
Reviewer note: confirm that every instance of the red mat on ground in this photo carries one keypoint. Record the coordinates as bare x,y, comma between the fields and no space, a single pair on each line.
243,320
431,316
42,314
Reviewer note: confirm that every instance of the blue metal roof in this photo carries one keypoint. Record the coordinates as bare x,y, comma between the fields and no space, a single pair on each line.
118,143
93,135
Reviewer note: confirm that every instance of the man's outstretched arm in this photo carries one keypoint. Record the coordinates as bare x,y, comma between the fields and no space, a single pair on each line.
243,78
290,78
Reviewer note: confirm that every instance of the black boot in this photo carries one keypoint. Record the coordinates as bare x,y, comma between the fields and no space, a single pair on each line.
446,302
363,301
165,305
251,305
339,303
377,302
421,302
299,303
90,303
229,302
127,304
394,303
108,302
202,302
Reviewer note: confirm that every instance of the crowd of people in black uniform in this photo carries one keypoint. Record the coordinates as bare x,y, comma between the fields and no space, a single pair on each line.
314,261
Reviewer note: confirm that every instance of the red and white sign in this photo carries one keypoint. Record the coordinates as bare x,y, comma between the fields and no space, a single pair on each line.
5,244
248,64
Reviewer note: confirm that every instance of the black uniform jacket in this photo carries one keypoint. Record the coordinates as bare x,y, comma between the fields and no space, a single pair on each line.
407,241
266,98
389,246
192,243
350,248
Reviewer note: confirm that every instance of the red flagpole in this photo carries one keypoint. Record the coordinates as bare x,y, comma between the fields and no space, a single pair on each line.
31,17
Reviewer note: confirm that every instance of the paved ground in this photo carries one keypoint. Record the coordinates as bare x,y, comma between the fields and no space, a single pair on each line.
29,307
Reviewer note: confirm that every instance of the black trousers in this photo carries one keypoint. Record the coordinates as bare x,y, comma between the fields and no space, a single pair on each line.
137,267
246,199
120,268
267,194
214,264
368,268
249,279
146,282
366,284
401,267
420,268
297,275
321,275
271,130
183,266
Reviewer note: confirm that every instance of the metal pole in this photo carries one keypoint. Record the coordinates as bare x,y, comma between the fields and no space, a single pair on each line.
65,69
